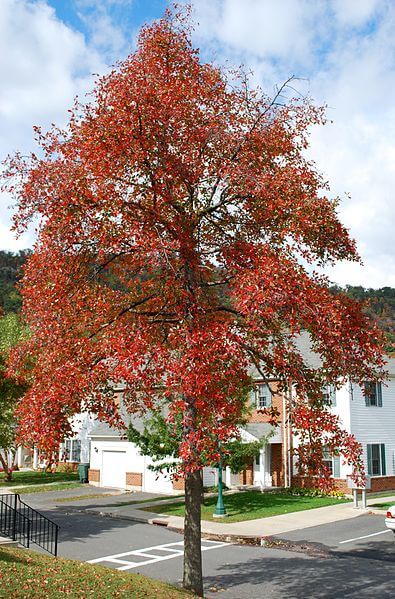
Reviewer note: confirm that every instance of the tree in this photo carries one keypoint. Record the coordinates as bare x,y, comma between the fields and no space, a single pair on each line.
178,213
162,442
11,391
10,272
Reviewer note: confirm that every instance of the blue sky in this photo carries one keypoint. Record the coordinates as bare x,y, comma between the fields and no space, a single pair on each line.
127,15
342,51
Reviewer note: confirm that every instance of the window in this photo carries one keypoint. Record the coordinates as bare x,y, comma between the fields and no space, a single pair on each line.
327,459
373,393
376,459
332,462
329,394
76,450
71,450
263,396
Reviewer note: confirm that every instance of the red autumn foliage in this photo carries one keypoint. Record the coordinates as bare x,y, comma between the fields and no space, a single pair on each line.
177,213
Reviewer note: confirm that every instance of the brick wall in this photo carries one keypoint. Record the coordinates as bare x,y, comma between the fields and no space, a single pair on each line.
134,479
380,483
94,476
306,482
383,483
179,483
246,477
277,402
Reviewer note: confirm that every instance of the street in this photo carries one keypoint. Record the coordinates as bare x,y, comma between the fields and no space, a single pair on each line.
352,558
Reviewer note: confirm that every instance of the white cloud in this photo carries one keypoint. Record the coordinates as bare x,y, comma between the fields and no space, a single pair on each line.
346,50
108,23
43,65
354,14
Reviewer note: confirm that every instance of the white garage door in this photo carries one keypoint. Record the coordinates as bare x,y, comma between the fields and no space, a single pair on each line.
113,472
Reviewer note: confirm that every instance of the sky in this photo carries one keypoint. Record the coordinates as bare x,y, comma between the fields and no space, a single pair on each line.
341,52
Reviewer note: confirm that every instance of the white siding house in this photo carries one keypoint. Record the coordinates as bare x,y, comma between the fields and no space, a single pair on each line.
372,416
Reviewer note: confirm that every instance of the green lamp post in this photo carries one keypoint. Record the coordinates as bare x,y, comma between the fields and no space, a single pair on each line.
220,511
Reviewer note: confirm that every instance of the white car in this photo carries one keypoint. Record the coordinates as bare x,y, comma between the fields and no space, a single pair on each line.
390,518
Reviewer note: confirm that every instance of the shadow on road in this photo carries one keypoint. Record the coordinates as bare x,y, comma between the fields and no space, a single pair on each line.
339,575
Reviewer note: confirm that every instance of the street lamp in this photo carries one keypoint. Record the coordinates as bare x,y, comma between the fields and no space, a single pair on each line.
220,511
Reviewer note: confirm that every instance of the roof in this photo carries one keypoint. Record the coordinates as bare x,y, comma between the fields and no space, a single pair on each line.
313,360
102,429
258,429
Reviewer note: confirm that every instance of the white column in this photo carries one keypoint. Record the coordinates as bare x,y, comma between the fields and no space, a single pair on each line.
262,467
19,457
227,477
35,459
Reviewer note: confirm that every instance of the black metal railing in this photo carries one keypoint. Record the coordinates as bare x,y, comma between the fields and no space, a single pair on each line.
23,524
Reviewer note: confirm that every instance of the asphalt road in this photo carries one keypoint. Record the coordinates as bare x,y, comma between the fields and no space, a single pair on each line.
351,559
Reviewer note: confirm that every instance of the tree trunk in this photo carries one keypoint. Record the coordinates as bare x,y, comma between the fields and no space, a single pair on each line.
193,576
7,471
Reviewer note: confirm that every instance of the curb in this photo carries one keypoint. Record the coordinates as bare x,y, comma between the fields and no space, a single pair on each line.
8,543
254,540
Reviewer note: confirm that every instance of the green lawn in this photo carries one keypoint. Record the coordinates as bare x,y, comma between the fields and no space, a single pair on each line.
382,506
153,499
28,575
35,477
382,494
249,505
46,488
81,497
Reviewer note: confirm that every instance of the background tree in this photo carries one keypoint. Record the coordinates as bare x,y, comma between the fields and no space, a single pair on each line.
11,332
10,272
175,183
161,442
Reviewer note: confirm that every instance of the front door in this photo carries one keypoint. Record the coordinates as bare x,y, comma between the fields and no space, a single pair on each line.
262,468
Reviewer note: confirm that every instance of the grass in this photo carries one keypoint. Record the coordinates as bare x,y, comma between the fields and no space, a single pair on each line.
382,506
28,575
46,488
152,500
249,505
80,497
381,494
36,477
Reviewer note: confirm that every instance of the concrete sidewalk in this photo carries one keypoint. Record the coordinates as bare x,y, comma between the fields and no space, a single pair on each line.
262,527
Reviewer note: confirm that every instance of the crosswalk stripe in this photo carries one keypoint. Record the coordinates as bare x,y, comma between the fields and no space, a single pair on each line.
170,551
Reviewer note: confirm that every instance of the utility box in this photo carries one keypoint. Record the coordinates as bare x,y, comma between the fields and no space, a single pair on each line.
83,473
352,485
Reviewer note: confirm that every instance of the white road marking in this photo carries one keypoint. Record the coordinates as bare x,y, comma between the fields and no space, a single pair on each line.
169,551
365,536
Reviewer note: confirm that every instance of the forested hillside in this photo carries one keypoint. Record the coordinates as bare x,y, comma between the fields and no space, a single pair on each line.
380,303
10,272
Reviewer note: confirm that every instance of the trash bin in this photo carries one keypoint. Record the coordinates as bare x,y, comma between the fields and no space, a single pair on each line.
83,473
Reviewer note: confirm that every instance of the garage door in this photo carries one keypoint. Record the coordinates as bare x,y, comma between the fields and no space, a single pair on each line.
113,472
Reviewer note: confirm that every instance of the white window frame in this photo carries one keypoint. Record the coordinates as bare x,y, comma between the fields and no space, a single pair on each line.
69,448
263,399
381,459
329,394
332,460
327,458
373,394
